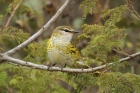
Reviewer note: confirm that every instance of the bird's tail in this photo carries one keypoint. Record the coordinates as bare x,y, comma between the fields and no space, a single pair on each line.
81,64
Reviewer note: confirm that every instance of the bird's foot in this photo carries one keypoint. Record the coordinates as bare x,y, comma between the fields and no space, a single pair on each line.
63,67
51,66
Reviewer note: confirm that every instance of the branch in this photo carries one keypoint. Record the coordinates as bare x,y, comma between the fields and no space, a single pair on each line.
12,14
41,31
43,67
131,8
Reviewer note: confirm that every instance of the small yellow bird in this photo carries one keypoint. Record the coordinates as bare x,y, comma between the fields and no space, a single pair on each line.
61,51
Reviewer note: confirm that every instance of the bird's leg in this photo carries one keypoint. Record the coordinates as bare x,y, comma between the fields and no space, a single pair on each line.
63,67
54,64
81,68
51,65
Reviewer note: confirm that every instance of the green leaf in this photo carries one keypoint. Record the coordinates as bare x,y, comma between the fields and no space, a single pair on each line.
88,5
3,76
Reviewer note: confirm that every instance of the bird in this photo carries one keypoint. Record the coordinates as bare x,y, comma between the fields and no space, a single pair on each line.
61,51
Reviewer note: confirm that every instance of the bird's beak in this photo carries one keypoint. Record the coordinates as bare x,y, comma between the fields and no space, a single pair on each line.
74,31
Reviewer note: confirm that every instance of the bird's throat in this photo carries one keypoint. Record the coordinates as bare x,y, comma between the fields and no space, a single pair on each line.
59,39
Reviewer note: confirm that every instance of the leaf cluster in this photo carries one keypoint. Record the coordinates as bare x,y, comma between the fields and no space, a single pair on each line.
22,9
89,6
4,78
36,52
82,81
113,82
104,38
35,81
119,83
12,34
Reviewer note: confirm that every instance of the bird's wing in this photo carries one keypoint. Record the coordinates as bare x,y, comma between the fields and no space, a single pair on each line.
76,55
73,51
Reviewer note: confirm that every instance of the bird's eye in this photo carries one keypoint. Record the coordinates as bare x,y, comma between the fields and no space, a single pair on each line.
66,30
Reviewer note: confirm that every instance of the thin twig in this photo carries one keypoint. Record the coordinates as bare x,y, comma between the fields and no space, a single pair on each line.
12,14
10,91
43,67
41,31
119,52
132,9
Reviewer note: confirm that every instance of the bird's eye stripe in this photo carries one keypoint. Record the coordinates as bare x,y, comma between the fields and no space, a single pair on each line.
66,30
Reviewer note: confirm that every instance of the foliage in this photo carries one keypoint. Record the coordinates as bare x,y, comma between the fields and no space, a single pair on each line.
4,78
35,81
1,16
82,81
23,9
36,52
88,5
12,34
104,38
119,83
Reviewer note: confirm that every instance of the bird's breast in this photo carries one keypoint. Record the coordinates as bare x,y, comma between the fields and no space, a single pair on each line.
57,52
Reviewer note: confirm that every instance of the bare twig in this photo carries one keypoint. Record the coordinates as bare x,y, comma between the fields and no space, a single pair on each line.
119,52
10,91
40,32
43,67
12,14
132,9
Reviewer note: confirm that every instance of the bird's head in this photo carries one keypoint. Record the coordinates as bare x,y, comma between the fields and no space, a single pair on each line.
64,32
